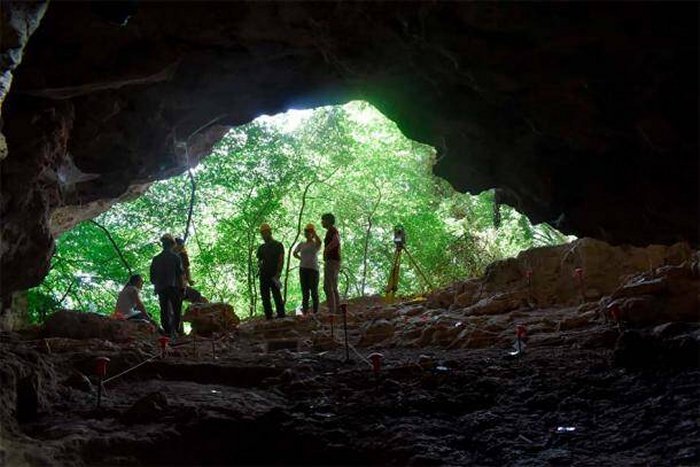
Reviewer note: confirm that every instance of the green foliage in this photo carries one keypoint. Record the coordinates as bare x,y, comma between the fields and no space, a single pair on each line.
349,160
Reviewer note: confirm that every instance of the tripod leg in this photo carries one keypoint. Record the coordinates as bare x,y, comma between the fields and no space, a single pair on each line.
393,284
415,265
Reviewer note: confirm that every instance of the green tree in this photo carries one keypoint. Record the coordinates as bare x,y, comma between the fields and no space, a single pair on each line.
287,170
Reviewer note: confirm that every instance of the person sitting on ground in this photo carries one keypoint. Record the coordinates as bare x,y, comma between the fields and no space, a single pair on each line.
307,254
129,305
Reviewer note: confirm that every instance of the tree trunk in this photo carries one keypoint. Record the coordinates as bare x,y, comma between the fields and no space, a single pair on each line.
367,236
296,237
114,244
193,188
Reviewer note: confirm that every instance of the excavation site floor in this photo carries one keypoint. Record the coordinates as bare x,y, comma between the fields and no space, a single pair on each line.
609,375
554,405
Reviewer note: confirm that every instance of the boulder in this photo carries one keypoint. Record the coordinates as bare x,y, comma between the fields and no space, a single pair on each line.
643,286
640,311
576,321
568,274
475,338
322,341
469,294
412,310
376,332
497,304
82,325
209,318
666,294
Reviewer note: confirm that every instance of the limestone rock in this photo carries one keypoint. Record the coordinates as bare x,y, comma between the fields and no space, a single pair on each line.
441,298
377,331
665,294
577,321
497,304
640,311
82,325
468,294
643,287
208,318
413,310
475,338
19,20
584,270
322,341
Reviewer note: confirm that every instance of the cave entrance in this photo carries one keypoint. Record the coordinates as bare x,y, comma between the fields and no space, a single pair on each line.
287,170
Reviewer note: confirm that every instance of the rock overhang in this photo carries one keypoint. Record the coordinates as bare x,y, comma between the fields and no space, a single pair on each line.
585,116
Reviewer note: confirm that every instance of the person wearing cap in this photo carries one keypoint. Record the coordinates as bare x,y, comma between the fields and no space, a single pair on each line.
307,253
331,262
270,262
168,281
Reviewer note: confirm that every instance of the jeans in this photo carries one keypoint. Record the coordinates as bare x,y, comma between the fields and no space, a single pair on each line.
267,285
330,284
170,300
308,278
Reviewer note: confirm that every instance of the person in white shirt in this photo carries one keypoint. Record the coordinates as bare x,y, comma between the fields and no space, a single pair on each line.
307,254
129,305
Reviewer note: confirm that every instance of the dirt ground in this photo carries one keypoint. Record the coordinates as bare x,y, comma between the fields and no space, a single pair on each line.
610,376
558,404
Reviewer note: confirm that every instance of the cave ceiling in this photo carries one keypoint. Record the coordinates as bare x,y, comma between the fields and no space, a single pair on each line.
584,115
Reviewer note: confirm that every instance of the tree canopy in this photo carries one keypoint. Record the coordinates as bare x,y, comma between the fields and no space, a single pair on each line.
287,170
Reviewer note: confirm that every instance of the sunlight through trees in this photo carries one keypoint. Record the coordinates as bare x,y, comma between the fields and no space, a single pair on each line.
287,170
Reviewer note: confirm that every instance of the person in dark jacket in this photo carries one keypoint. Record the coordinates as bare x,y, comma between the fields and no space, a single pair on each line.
168,281
270,262
331,262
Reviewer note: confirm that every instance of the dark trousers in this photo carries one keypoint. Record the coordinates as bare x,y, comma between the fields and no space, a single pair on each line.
308,278
266,286
140,316
170,301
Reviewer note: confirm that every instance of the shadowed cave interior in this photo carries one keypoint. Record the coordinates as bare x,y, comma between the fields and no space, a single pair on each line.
581,115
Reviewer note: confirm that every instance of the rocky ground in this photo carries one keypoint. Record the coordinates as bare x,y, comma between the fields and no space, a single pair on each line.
610,376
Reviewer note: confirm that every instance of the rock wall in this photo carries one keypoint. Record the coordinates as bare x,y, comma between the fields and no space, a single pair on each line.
584,115
564,275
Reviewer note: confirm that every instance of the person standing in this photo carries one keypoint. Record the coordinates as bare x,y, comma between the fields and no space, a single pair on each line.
307,254
181,251
331,262
270,262
168,281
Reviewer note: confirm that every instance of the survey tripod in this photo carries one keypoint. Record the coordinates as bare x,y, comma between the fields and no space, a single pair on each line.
400,243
